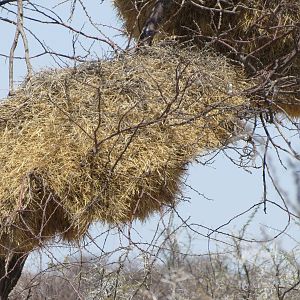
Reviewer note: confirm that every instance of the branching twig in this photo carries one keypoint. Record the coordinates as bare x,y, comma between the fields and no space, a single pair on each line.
19,30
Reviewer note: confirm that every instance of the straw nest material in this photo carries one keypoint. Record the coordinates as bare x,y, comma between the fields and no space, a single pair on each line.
108,141
259,31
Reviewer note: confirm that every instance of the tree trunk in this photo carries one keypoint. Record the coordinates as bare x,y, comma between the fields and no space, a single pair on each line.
11,267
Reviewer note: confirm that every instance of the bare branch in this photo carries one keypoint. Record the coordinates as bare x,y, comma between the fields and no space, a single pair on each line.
19,30
3,2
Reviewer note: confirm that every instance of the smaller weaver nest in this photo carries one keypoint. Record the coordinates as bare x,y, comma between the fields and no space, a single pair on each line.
108,141
256,31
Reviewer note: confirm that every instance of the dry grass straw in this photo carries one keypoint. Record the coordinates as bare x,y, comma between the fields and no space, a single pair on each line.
259,30
108,141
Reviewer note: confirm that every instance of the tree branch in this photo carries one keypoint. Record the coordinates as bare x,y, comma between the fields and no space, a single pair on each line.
3,2
19,30
11,267
152,23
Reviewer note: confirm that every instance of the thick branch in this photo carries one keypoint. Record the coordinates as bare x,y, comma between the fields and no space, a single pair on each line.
6,1
11,268
157,16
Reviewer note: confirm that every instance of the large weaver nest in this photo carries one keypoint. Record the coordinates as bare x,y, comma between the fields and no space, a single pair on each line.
109,141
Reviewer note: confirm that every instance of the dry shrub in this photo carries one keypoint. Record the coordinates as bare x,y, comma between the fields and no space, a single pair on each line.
108,141
218,277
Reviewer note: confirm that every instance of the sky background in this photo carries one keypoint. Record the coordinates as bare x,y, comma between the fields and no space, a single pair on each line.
219,191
